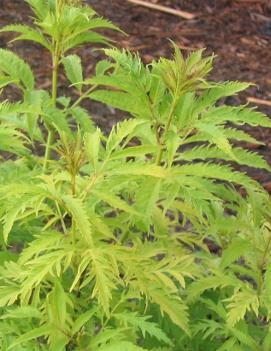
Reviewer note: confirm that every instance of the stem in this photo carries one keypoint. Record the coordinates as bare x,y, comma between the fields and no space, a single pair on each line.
48,151
112,313
73,233
55,60
60,4
61,218
161,145
93,180
83,96
159,154
123,237
73,182
55,75
265,252
89,186
51,133
261,265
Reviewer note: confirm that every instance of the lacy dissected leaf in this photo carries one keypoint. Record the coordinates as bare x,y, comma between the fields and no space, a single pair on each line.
83,119
77,209
43,243
133,151
121,131
101,268
122,101
74,71
107,336
146,198
100,226
104,280
238,155
216,136
183,75
15,68
56,309
240,303
83,319
114,201
34,334
139,169
128,62
22,312
57,118
34,99
238,115
85,38
10,109
143,324
12,140
236,249
230,133
69,23
121,346
173,306
93,143
210,96
27,33
40,7
17,211
267,288
47,266
210,282
215,171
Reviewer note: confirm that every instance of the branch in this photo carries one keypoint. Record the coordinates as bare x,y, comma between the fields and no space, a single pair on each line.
259,101
165,9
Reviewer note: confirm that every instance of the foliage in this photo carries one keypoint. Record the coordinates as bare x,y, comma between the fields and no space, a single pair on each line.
106,240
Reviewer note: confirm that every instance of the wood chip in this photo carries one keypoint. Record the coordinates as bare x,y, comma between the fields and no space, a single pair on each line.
259,101
165,9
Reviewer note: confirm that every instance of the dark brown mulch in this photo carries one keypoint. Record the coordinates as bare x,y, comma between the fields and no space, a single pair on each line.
237,31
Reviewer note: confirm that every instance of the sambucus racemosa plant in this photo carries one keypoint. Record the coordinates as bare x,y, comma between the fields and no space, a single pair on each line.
106,242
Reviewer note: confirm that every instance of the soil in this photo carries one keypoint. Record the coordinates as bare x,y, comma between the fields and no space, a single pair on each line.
237,31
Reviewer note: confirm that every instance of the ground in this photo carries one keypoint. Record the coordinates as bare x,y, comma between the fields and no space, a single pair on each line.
237,31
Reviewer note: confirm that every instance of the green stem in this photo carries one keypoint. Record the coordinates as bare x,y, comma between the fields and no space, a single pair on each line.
123,237
83,96
51,133
73,183
159,154
161,144
48,151
55,75
60,4
61,218
55,61
93,180
262,264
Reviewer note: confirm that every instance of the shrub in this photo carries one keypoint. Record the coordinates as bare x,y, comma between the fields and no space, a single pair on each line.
144,239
